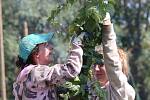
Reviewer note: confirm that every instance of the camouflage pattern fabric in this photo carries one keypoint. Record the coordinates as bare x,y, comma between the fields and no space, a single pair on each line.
118,87
38,82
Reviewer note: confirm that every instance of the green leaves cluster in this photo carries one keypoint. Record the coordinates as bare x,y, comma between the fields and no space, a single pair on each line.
88,19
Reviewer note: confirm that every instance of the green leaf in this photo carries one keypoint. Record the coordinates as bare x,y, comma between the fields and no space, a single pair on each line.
70,1
89,19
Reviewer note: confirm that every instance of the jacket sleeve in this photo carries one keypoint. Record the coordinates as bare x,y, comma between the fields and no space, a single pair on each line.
59,73
117,78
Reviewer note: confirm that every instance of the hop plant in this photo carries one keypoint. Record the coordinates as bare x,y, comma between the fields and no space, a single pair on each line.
88,19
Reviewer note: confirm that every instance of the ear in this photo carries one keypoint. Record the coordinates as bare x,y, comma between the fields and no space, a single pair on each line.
35,55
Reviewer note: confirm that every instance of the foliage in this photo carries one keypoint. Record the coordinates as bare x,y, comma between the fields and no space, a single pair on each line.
143,62
133,32
89,20
35,14
10,43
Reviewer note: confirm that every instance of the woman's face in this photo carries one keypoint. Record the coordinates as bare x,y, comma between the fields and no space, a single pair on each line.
45,54
100,74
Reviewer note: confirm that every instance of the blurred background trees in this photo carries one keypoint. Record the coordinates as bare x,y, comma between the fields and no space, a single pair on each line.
15,14
131,19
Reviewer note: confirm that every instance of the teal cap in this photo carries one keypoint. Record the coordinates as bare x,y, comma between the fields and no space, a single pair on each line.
29,42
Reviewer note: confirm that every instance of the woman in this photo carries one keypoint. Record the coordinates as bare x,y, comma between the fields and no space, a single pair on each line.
36,80
112,75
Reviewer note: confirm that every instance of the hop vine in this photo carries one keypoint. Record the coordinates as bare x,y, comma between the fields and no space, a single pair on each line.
88,19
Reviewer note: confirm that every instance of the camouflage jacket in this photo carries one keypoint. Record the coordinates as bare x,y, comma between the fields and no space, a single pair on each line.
38,82
118,87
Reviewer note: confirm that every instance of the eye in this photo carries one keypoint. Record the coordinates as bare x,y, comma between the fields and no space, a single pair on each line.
49,46
101,65
46,45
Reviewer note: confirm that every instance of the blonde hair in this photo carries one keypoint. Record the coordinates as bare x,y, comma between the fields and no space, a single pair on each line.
124,61
123,57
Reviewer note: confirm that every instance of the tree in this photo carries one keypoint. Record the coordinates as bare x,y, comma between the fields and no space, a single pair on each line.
133,17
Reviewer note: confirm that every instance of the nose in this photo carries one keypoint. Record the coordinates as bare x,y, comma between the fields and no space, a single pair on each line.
49,46
97,68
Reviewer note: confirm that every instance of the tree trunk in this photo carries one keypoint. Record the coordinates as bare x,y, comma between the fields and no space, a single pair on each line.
2,65
147,21
129,24
25,28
